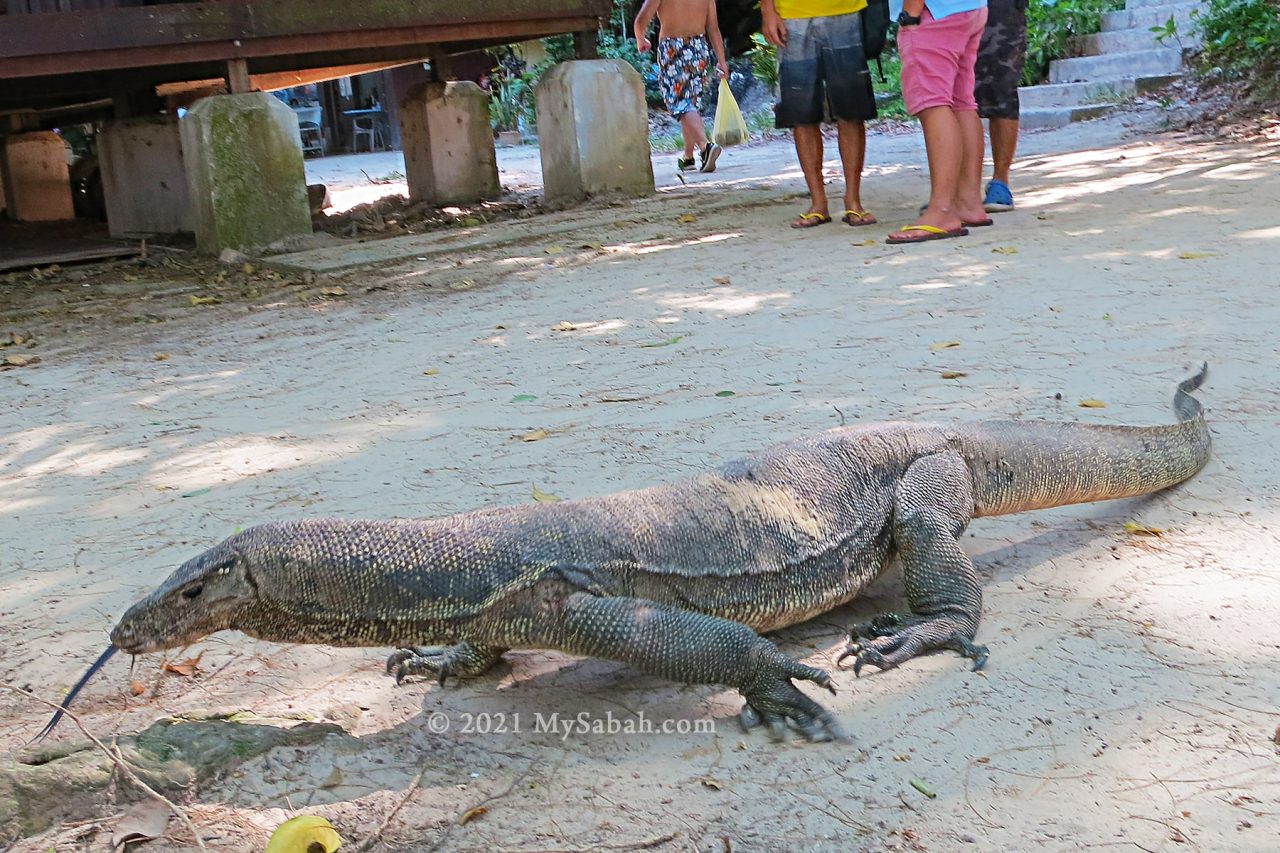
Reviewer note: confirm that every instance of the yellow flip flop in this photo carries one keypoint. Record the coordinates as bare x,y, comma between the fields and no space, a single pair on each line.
811,220
931,232
858,218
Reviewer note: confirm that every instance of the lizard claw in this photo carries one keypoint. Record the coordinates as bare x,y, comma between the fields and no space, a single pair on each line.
430,660
774,701
886,649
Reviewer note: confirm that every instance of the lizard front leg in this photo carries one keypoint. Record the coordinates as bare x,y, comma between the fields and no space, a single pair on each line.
462,659
932,506
691,647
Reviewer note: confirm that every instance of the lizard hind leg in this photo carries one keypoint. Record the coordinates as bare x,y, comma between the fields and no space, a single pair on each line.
463,659
932,506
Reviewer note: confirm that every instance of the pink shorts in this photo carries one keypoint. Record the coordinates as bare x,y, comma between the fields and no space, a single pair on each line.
938,58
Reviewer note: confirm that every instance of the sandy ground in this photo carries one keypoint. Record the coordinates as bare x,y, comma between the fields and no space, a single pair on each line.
1131,700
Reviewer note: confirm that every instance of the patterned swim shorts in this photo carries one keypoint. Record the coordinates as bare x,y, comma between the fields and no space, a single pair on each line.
682,72
1000,57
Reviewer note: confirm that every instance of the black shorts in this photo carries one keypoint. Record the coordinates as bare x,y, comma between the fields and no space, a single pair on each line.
822,72
1000,56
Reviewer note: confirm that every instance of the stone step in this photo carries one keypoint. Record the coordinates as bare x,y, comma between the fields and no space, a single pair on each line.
1048,118
1123,41
1078,94
1142,4
1146,17
1137,63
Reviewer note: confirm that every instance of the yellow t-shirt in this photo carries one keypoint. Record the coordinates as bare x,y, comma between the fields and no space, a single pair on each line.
817,8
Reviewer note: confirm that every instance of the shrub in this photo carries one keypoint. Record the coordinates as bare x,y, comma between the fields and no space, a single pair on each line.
1241,41
1051,24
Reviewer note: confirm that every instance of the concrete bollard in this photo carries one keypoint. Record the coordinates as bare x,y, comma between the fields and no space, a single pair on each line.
144,182
36,179
593,131
244,172
448,144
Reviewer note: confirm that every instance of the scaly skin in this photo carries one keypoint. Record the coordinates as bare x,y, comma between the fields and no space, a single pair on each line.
677,580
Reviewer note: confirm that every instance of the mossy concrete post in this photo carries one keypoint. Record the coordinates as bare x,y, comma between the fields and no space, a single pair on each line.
593,131
144,182
244,172
36,179
448,143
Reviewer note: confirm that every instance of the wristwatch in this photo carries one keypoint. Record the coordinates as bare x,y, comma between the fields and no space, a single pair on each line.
906,19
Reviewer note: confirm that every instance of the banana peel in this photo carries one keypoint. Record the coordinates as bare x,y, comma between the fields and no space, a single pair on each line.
298,834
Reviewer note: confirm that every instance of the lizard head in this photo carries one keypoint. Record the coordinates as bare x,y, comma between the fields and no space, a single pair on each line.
203,596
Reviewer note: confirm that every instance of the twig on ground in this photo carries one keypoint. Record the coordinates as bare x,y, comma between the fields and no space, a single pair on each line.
368,843
113,752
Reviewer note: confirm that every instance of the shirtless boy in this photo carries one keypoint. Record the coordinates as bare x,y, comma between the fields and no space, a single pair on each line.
687,35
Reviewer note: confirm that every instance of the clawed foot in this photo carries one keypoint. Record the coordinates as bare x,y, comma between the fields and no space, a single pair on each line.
442,662
774,701
892,639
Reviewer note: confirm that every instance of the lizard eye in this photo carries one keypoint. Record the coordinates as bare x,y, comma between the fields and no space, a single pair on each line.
192,592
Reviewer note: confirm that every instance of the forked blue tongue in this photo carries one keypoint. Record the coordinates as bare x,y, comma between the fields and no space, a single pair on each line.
84,679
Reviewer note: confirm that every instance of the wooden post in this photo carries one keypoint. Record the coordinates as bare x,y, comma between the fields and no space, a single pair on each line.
586,44
238,77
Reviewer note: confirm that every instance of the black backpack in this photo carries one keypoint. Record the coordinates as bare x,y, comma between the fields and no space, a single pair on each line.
875,31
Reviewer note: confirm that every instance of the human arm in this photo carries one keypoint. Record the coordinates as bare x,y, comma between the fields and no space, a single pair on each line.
640,26
717,41
773,28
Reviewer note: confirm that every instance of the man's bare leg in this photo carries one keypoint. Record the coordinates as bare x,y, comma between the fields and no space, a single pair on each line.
808,139
968,200
1004,144
853,151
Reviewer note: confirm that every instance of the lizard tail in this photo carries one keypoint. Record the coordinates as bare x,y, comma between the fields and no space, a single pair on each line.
1020,466
1188,407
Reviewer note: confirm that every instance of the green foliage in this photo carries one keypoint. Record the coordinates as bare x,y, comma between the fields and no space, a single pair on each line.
1242,41
1051,24
889,103
764,61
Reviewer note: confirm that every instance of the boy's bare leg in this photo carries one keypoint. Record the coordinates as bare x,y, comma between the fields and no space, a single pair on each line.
693,131
853,151
808,139
1004,144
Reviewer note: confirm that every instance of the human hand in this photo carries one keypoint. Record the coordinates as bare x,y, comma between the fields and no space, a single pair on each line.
643,44
723,68
774,31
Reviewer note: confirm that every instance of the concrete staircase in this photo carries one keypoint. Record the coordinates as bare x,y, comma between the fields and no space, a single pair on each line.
1122,61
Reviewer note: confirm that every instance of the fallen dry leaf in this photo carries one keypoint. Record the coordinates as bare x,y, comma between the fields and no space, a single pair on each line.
1005,250
713,784
186,668
1196,256
953,374
544,497
142,822
554,250
471,814
563,326
334,292
941,345
868,242
1142,530
20,360
431,371
720,279
333,780
137,688
202,300
535,435
161,356
687,217
1092,404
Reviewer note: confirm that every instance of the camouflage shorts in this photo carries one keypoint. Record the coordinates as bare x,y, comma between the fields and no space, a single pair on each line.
1000,56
